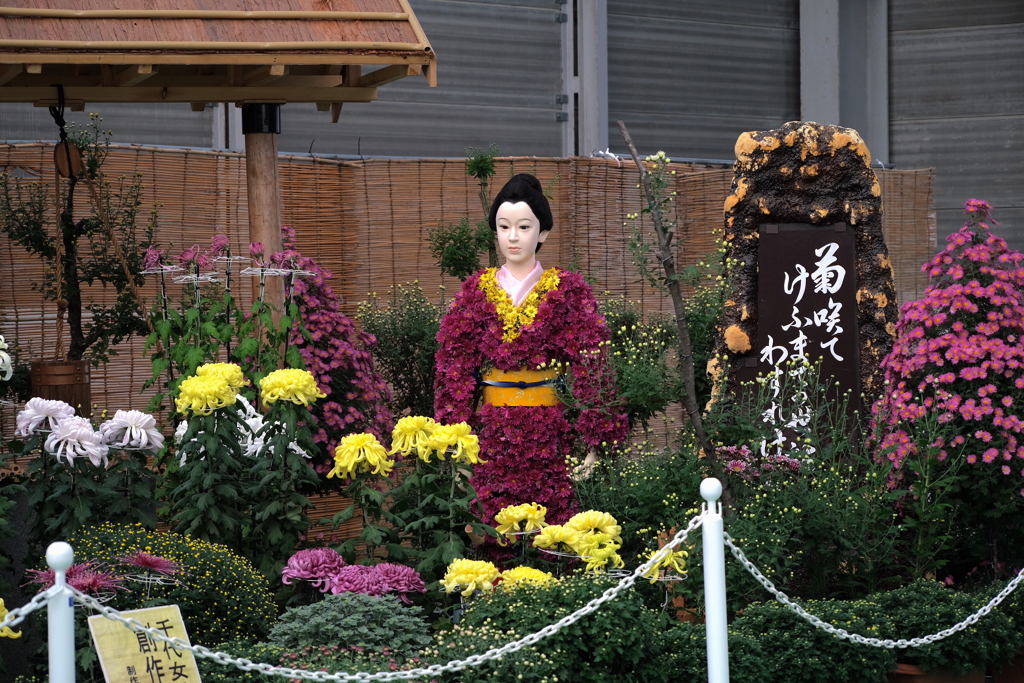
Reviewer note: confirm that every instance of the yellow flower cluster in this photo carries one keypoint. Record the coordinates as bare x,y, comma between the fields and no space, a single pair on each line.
412,433
515,318
557,537
593,535
469,576
231,373
360,451
674,561
297,386
6,631
527,517
202,394
459,437
525,576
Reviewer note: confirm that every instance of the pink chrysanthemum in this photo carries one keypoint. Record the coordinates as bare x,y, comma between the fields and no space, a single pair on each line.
88,577
401,579
314,564
151,563
358,579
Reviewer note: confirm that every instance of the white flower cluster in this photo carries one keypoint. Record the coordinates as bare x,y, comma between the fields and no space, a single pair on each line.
71,437
251,439
6,368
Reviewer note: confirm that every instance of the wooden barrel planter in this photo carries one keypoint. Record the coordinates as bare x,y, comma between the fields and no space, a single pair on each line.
66,381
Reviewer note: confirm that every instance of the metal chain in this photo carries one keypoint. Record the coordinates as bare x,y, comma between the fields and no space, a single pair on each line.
18,614
874,642
455,665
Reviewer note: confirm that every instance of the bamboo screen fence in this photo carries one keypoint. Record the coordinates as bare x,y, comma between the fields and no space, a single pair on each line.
367,222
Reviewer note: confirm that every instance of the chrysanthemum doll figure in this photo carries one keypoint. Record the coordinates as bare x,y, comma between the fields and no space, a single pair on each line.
499,341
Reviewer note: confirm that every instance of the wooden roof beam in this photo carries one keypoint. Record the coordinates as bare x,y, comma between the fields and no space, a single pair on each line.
263,75
9,71
134,75
389,74
44,96
275,15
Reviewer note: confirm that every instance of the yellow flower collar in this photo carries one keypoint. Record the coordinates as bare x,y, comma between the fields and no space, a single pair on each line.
515,318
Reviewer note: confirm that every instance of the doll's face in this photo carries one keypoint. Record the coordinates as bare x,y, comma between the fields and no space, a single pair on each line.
518,234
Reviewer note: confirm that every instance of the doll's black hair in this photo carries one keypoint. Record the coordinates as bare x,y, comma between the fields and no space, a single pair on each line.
524,188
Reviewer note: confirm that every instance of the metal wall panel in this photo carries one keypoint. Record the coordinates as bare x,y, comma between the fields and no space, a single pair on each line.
694,75
499,69
144,124
956,101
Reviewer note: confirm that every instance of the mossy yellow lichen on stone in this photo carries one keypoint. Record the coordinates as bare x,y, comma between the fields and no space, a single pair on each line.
745,145
876,189
891,329
736,340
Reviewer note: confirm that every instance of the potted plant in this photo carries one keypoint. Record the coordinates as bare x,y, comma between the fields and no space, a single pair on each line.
101,247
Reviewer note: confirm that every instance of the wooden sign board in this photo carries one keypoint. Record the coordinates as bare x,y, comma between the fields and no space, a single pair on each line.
130,657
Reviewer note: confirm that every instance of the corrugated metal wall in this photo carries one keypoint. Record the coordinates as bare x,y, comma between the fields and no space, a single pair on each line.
688,77
956,102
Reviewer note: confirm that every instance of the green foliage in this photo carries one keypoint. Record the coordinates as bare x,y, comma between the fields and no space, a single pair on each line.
641,352
68,497
617,643
88,254
220,594
264,653
480,162
457,246
796,652
684,656
353,619
406,332
924,607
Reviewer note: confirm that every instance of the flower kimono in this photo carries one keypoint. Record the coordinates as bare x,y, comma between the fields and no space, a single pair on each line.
524,447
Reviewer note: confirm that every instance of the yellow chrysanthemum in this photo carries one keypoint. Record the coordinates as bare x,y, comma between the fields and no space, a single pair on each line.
204,394
557,537
7,631
360,451
515,318
469,576
461,438
520,576
297,386
599,553
521,518
231,373
412,433
593,521
673,561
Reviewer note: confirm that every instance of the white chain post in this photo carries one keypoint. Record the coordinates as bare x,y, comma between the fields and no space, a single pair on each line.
717,627
60,614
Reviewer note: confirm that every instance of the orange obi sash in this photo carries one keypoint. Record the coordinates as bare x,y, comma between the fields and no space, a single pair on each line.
520,387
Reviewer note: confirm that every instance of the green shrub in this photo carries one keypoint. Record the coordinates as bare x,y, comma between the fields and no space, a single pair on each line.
924,607
221,595
353,619
685,655
798,652
259,653
616,643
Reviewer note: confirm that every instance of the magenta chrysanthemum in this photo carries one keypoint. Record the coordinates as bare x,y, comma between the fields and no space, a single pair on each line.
958,355
88,577
401,579
318,565
358,579
150,563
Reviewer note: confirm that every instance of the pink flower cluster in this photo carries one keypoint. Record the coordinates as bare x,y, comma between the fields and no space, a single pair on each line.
327,571
750,466
958,354
338,355
91,578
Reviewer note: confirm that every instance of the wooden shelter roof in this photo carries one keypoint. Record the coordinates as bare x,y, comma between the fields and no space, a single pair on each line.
201,51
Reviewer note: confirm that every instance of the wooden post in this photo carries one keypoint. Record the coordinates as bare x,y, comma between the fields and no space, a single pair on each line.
260,124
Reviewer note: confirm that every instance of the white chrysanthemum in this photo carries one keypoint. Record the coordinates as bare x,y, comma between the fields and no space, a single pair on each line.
6,369
74,437
249,437
132,429
39,411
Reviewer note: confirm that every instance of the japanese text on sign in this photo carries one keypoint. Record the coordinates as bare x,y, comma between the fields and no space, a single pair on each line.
130,657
